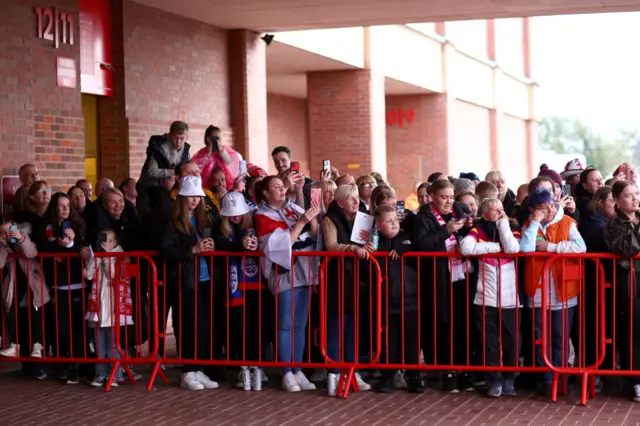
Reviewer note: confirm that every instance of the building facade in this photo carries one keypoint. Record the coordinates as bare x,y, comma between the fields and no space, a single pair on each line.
85,83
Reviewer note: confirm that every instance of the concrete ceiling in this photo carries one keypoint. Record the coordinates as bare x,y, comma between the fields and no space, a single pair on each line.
287,67
286,15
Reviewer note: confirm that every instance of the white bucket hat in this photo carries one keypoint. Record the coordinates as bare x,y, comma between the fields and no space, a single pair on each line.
191,186
234,204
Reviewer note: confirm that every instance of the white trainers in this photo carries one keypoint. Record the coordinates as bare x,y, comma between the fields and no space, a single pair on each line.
319,375
303,382
11,351
332,383
256,379
246,378
36,352
190,381
205,380
289,383
398,380
362,385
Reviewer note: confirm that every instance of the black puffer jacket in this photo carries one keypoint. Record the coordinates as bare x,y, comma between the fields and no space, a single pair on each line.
395,291
430,236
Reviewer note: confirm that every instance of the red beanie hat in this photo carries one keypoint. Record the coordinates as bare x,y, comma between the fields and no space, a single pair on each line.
546,171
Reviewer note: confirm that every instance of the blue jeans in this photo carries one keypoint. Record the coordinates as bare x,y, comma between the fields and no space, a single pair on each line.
292,324
558,339
337,339
105,340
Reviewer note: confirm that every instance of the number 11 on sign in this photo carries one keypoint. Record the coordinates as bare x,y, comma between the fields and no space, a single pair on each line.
50,28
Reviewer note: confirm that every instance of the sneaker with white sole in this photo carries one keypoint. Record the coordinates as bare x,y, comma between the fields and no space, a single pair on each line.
332,383
289,383
190,381
303,382
11,351
100,382
398,380
256,379
319,375
362,385
240,380
246,378
206,381
36,352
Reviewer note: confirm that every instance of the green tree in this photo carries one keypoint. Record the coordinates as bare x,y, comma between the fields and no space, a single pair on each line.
567,136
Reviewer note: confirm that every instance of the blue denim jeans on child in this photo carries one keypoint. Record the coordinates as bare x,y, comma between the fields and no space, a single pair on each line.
293,310
558,338
105,339
337,338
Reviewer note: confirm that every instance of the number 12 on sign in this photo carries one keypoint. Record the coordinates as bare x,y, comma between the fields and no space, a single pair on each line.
55,26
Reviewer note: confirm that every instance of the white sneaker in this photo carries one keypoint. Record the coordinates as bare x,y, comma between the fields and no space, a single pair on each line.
205,380
246,378
190,381
398,380
256,379
36,352
11,351
289,383
332,383
362,385
303,382
319,375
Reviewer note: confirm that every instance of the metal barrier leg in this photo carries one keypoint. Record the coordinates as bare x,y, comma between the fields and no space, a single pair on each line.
554,388
586,381
347,381
157,371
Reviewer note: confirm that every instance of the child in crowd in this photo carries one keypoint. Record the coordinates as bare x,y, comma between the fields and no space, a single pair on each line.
243,276
22,279
399,300
496,300
105,303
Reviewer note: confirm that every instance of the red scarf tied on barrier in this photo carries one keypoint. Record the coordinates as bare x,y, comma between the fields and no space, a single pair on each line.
456,267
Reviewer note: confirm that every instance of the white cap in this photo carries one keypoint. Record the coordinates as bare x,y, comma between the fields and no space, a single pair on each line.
191,186
234,204
573,167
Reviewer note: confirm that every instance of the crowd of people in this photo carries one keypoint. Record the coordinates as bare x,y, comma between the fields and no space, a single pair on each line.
187,206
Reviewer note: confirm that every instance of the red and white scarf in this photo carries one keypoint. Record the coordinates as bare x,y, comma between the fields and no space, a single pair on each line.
99,307
456,267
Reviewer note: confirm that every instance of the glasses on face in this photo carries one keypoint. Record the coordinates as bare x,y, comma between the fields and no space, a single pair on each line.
368,184
44,191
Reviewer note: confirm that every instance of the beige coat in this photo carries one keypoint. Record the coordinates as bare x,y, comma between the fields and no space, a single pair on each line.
26,251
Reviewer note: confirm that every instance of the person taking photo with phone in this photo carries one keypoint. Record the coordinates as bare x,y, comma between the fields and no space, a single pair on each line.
188,235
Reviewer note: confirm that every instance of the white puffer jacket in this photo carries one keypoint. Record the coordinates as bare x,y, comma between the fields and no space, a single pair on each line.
497,278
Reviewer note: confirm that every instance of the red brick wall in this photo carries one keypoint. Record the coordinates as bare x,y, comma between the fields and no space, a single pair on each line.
341,119
173,68
287,124
248,94
39,122
416,149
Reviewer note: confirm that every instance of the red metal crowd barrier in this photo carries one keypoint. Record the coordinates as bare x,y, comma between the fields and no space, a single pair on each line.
344,314
58,308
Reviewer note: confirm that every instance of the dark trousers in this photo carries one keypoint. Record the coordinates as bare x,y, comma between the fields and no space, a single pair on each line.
500,329
450,333
559,324
244,327
193,332
397,343
312,350
33,321
628,322
167,297
71,335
